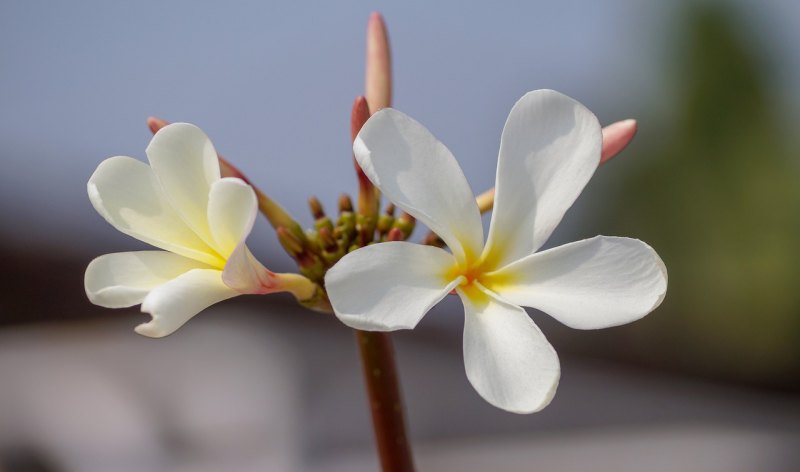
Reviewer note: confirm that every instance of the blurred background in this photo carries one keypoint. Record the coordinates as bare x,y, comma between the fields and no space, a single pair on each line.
710,381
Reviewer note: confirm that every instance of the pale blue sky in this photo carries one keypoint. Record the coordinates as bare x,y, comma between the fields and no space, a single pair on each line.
272,84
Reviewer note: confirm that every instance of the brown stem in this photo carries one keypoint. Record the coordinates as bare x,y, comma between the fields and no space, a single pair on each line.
386,405
383,389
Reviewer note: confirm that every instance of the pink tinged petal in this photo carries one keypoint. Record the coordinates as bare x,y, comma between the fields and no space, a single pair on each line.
232,208
616,137
590,284
128,195
186,164
550,148
124,279
507,358
175,302
420,175
388,286
245,274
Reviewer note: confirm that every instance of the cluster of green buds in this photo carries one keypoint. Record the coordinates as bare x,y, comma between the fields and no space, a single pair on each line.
321,246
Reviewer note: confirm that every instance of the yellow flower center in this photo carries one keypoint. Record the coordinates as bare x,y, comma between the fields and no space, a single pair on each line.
479,272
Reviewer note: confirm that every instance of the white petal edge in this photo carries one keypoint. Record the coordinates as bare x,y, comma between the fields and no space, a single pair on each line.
420,175
186,163
127,194
589,284
508,360
123,279
388,286
232,209
177,301
550,148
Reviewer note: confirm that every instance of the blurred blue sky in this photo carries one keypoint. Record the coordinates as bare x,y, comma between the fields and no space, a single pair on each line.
272,84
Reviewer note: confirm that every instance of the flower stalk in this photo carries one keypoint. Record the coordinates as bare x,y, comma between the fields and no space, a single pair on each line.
377,353
383,391
385,402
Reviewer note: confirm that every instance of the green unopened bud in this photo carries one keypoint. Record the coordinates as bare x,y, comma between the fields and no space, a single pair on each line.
405,223
312,267
385,223
312,241
345,230
316,208
365,227
323,222
333,251
327,240
309,263
291,244
345,203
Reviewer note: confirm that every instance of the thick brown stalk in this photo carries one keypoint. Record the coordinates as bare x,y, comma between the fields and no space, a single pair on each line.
383,389
386,406
377,354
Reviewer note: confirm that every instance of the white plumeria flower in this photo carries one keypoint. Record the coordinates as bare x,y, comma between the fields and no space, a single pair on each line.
180,204
549,149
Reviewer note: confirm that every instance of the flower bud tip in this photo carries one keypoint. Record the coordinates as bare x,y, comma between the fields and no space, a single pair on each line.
345,203
379,64
327,239
290,243
358,116
395,234
155,124
316,208
616,137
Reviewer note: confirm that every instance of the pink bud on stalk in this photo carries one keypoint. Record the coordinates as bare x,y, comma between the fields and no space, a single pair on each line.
616,137
378,86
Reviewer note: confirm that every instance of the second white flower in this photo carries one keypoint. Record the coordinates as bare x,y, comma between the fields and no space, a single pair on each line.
550,147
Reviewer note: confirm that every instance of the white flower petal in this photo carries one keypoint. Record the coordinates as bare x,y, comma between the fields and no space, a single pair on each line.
186,164
388,286
590,284
124,279
420,175
232,209
175,302
507,358
128,195
245,274
550,148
